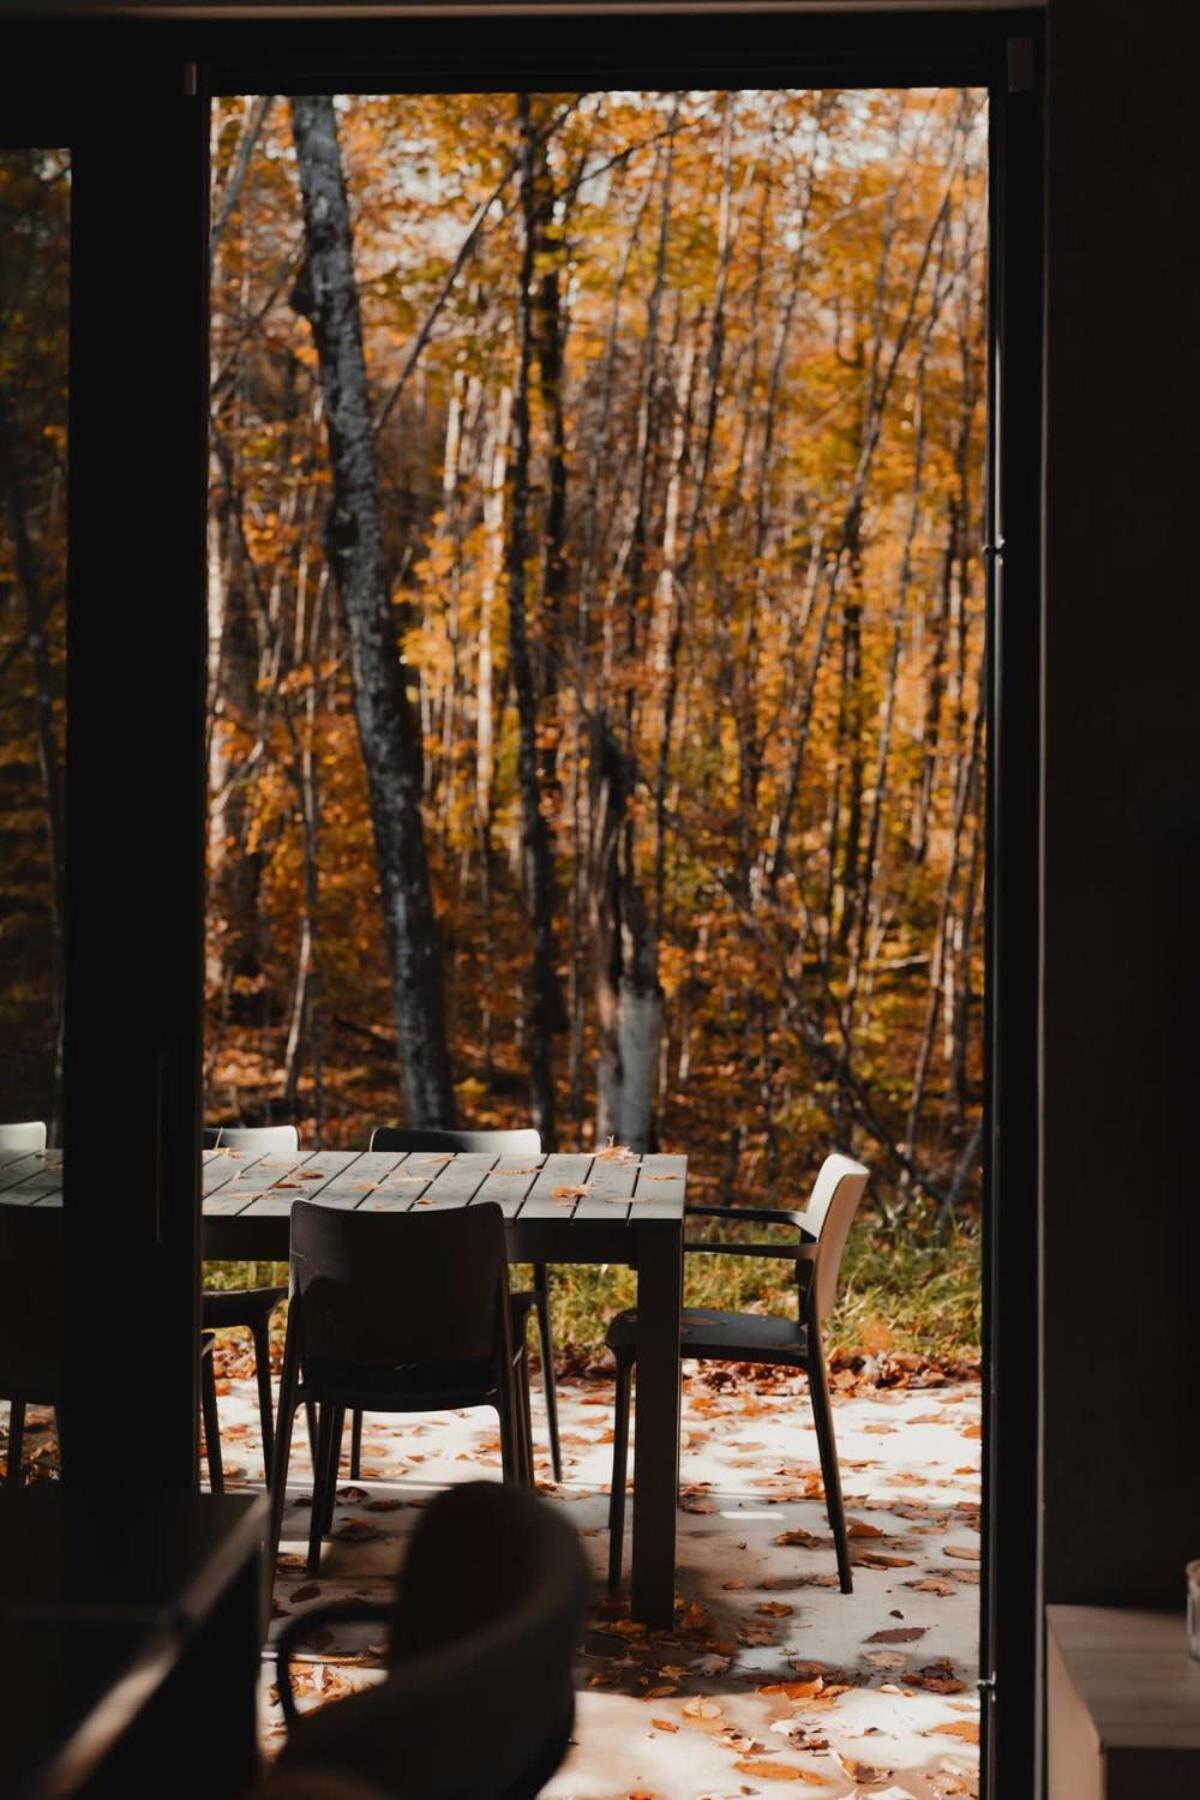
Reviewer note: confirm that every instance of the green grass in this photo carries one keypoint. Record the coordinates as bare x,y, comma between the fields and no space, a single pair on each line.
897,1293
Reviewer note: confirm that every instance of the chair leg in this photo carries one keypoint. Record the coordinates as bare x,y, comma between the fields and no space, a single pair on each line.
321,1485
830,1474
212,1429
310,1421
356,1424
288,1401
616,1501
335,1457
16,1439
261,1334
526,1422
514,1456
545,1344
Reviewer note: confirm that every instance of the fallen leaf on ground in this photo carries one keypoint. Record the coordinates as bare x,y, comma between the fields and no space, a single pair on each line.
966,1729
898,1634
704,1714
795,1690
774,1609
763,1770
356,1531
968,1552
861,1771
859,1528
664,1725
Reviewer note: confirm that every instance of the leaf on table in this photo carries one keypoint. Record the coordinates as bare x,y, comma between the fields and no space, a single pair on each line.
898,1634
614,1152
567,1191
966,1729
664,1725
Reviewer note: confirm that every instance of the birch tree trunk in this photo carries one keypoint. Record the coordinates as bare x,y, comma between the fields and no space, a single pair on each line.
535,838
387,729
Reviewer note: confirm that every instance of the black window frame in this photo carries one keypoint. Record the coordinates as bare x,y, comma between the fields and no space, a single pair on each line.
134,1019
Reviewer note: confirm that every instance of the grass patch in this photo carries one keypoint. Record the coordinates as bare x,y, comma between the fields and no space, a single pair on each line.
897,1293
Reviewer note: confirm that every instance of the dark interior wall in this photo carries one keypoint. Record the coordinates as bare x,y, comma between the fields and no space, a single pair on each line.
1121,982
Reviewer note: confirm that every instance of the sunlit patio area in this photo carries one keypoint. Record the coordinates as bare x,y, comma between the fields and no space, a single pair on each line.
770,1676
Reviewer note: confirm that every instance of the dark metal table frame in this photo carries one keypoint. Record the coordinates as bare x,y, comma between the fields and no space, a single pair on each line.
631,1214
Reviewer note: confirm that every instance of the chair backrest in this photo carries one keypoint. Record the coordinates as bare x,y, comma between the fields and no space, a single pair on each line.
30,1135
31,1305
839,1187
385,1289
479,1702
489,1143
259,1138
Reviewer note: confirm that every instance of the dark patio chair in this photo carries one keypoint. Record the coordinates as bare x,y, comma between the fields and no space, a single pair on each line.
30,1134
479,1701
395,1313
822,1229
250,1309
535,1300
31,1310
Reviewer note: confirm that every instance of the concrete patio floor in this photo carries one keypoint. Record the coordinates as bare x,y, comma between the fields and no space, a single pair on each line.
771,1676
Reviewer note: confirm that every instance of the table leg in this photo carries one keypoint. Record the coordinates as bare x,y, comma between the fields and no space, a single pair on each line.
656,1451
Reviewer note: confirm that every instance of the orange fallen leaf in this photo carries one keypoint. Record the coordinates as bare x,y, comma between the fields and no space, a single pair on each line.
764,1770
965,1729
795,1690
968,1552
664,1725
898,1634
859,1528
564,1191
774,1609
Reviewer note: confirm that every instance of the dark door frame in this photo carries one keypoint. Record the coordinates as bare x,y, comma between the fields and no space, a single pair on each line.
132,101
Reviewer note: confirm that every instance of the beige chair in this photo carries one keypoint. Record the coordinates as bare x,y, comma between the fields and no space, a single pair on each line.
822,1229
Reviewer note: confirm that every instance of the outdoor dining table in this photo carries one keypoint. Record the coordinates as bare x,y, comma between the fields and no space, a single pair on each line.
614,1208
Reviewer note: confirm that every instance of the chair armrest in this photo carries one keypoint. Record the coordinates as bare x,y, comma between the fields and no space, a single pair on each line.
754,1215
804,1251
725,1247
345,1612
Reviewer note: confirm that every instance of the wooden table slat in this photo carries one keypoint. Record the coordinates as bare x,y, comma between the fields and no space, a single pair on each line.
661,1188
42,1184
22,1164
508,1183
557,1171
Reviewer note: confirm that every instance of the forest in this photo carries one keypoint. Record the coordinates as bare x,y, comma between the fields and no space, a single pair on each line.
596,605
